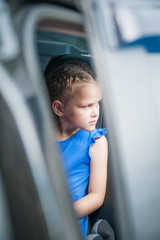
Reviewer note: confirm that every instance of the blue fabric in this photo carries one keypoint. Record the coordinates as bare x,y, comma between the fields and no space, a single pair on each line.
76,158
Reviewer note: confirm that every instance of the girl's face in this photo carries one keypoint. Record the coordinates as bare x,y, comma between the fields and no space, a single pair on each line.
82,111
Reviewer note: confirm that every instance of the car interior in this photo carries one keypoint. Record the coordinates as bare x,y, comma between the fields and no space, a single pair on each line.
44,36
122,39
52,43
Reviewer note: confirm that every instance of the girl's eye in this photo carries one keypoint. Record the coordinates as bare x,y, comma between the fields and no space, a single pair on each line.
90,105
86,106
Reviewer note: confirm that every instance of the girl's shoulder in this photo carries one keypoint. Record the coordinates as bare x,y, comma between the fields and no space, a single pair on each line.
89,137
97,133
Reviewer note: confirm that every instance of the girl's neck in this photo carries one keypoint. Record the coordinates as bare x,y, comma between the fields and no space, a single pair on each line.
63,134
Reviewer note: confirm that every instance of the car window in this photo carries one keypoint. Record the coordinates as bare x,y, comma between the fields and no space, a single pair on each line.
52,43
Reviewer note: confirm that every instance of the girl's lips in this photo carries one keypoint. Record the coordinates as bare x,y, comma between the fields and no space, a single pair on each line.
92,122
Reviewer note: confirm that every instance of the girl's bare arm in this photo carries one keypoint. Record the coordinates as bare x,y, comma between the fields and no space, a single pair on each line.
97,180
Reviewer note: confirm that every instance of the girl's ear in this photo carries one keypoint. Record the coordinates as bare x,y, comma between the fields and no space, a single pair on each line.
57,107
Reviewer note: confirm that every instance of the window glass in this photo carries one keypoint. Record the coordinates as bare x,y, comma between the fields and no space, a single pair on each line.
78,42
51,43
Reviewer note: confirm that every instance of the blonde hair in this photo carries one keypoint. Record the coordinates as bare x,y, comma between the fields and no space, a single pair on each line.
64,82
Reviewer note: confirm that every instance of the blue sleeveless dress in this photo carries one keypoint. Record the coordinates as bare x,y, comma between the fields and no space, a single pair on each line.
76,158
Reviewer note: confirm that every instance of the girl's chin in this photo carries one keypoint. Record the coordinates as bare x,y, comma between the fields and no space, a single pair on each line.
90,128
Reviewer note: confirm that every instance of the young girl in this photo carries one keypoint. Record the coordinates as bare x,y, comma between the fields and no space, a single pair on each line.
75,97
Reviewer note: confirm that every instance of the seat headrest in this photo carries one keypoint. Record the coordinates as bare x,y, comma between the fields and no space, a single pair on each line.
56,62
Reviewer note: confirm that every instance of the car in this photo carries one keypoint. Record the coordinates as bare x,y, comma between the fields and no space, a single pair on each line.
123,40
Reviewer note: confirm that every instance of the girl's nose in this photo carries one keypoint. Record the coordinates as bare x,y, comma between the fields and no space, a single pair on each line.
95,110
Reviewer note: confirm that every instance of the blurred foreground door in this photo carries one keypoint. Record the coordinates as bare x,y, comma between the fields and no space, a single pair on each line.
125,39
34,197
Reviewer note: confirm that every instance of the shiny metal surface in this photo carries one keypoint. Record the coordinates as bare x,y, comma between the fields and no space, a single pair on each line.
9,46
